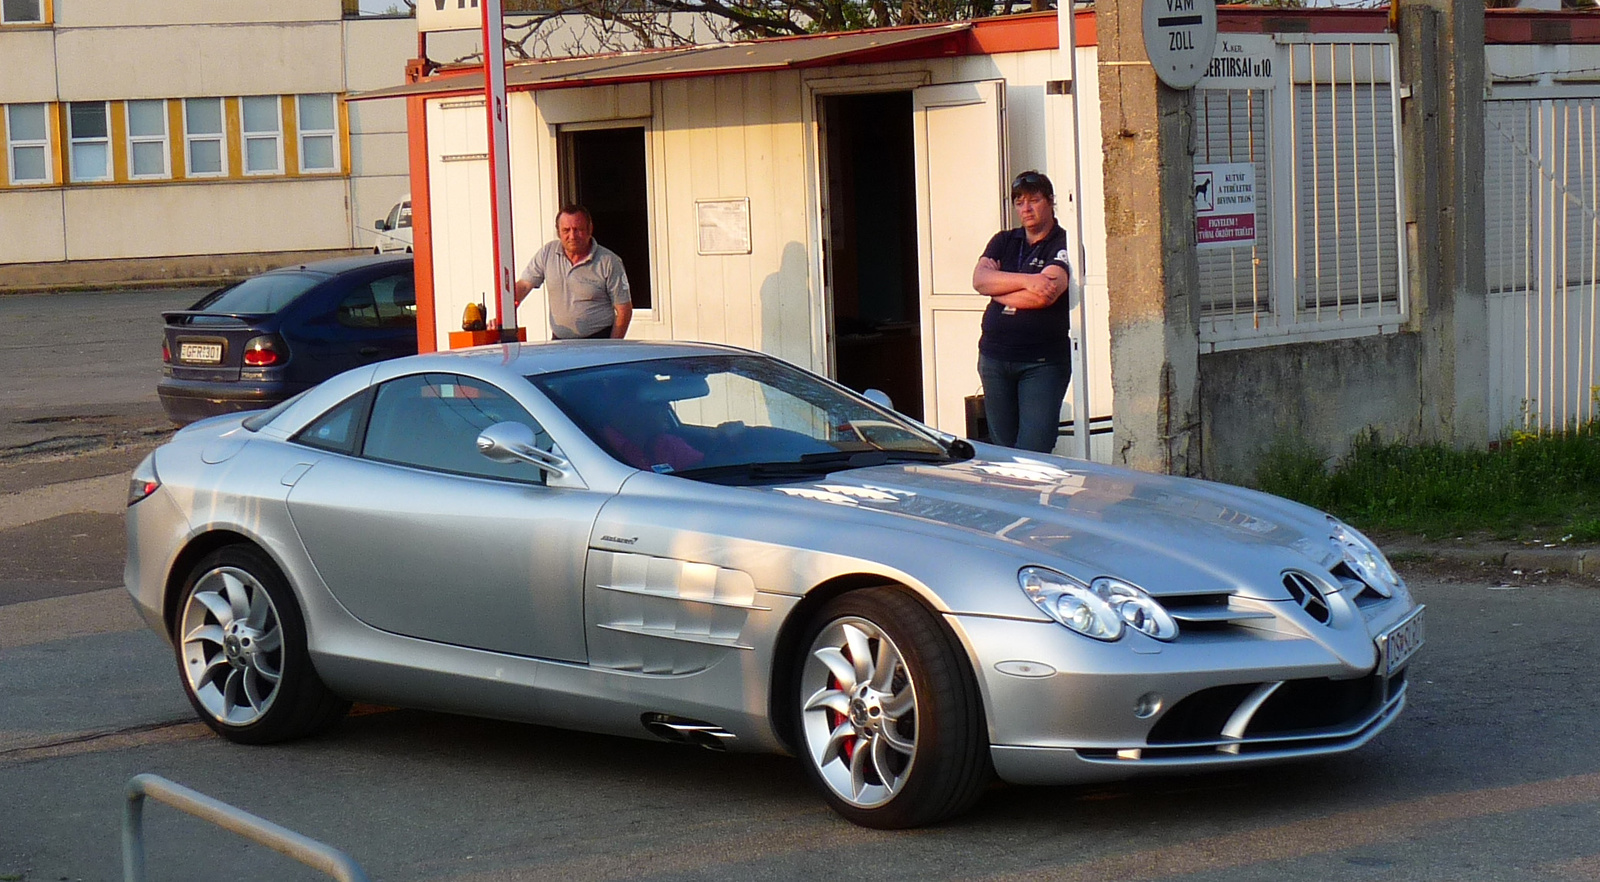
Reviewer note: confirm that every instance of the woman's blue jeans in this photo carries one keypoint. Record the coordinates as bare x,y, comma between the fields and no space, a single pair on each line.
1022,400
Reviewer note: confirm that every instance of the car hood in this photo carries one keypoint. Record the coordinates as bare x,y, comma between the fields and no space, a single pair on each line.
1167,535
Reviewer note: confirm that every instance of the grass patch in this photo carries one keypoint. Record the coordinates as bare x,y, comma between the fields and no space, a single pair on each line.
1536,485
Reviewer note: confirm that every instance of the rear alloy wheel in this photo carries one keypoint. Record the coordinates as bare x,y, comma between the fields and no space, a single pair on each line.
240,644
891,725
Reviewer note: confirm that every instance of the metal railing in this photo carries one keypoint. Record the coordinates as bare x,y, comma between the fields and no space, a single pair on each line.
310,852
1542,255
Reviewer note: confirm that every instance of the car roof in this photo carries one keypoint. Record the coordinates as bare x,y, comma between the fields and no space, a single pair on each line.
339,265
550,357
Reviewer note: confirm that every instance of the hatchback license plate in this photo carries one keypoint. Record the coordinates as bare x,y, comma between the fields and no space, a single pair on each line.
1398,644
201,353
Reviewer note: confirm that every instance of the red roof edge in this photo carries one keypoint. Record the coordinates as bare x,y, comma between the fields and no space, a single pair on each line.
1269,20
1531,26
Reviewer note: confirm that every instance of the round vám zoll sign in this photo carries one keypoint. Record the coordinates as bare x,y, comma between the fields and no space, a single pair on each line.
1179,36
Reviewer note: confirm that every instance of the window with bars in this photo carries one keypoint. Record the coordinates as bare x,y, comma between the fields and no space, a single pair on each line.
1346,218
263,135
28,143
1232,128
1317,130
1539,176
204,138
319,133
89,140
148,153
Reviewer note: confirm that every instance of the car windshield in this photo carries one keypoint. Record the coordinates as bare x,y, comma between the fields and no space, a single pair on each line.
732,419
260,295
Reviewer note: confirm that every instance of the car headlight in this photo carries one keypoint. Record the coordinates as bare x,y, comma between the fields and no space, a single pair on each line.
1362,556
1101,609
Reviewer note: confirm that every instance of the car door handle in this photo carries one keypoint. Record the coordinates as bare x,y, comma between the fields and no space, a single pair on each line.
369,350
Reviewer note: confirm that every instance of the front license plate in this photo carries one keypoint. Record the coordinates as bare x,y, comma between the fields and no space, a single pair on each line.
201,353
1398,644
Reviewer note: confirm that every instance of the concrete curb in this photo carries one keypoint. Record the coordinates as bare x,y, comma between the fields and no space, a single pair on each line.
1577,561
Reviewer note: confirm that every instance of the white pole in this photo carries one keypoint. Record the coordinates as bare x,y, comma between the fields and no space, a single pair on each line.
494,92
1066,32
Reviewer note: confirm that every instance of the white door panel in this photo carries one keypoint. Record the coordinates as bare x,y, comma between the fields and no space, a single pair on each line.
961,202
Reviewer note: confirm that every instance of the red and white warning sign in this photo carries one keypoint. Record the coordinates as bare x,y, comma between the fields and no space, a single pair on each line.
1224,204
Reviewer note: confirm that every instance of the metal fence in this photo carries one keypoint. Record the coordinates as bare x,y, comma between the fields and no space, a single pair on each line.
1541,192
1323,138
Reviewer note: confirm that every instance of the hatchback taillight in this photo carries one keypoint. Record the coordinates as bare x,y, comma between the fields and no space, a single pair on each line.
166,353
144,480
263,352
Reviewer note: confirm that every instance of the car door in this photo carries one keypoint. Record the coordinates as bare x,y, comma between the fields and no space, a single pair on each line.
356,320
417,533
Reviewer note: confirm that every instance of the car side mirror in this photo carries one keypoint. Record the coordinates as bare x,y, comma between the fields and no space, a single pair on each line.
515,442
878,397
381,226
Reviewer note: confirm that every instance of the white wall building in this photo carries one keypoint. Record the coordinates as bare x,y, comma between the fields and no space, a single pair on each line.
171,128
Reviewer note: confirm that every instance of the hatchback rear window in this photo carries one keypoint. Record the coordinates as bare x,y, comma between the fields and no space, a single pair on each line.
260,295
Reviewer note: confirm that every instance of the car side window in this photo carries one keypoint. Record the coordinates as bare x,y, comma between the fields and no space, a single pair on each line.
405,215
338,430
387,302
432,421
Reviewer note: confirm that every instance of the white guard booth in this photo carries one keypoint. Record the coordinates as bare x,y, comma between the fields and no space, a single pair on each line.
821,198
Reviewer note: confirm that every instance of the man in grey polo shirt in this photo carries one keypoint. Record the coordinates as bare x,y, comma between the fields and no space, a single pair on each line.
584,281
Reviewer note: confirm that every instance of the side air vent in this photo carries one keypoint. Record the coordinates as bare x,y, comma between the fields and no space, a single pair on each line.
1309,594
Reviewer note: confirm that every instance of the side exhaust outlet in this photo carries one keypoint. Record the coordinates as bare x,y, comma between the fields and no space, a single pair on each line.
686,731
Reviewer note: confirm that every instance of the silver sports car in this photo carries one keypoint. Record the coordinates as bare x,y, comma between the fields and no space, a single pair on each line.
712,546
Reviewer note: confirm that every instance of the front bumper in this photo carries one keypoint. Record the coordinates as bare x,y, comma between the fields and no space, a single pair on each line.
1064,709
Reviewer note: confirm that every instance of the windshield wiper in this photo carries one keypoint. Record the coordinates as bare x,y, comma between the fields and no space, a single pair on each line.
808,465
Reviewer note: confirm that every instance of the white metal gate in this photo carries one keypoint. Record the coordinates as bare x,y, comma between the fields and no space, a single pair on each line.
1541,192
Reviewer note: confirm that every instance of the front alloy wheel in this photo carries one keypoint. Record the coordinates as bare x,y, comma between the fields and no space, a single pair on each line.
861,722
887,711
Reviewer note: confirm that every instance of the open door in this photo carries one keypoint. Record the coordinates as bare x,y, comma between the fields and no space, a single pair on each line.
962,200
870,209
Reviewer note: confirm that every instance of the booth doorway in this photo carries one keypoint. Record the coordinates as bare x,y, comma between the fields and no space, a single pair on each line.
603,169
869,209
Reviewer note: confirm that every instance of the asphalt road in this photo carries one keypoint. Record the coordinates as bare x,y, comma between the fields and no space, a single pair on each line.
1492,773
81,369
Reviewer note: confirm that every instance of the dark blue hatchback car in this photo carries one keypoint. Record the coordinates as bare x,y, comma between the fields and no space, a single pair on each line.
256,343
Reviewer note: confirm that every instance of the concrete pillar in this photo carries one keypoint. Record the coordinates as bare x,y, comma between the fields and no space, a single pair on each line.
1151,265
1442,131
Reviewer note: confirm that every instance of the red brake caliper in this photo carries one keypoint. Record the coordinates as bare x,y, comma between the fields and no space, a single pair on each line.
835,718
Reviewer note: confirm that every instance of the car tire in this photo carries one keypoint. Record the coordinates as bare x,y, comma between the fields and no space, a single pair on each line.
240,642
888,717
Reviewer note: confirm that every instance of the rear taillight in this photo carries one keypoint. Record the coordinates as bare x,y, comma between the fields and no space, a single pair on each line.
144,480
264,352
166,353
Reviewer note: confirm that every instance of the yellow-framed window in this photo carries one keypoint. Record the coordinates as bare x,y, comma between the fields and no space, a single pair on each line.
89,142
205,138
317,117
28,153
26,12
148,140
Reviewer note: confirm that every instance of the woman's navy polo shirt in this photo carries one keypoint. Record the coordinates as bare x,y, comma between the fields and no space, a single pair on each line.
1028,334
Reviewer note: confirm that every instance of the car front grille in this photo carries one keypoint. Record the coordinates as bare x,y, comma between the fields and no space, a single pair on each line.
1296,707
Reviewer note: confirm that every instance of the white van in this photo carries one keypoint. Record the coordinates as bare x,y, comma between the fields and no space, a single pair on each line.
394,231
